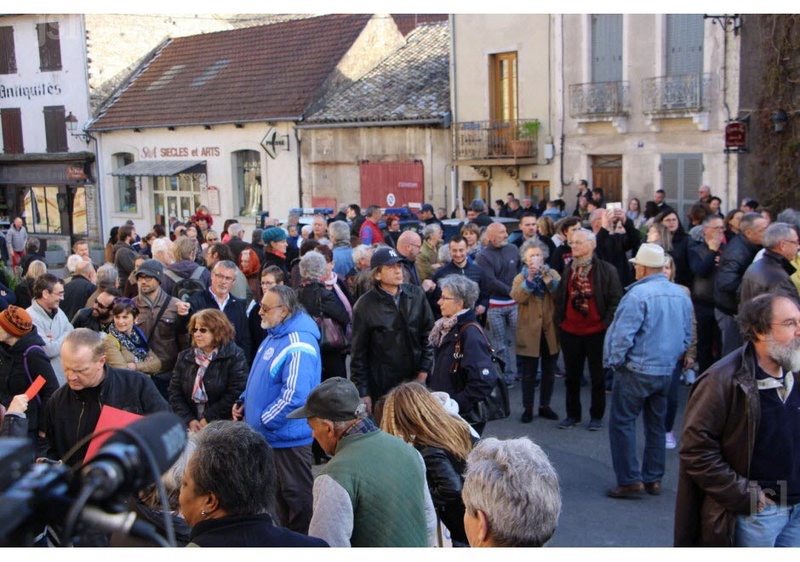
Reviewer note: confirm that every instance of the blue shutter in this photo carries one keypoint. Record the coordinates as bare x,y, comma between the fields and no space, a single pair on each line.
684,44
606,47
681,175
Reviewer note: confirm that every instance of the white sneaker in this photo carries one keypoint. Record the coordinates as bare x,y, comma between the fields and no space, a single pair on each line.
670,441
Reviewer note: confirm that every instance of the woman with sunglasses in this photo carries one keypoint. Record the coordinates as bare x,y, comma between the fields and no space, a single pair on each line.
125,345
209,376
211,237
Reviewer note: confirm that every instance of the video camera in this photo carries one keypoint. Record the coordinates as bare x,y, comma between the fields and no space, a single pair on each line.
90,498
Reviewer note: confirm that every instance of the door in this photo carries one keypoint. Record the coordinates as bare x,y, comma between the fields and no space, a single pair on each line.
391,184
536,190
607,174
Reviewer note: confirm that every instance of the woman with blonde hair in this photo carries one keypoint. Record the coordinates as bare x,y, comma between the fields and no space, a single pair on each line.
472,234
412,413
24,289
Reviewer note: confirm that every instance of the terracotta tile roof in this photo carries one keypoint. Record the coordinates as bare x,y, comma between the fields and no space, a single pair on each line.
252,74
412,83
407,22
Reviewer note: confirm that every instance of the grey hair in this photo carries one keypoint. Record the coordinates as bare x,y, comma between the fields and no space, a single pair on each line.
430,230
32,245
107,276
287,297
444,254
172,479
462,288
306,228
360,252
590,237
73,261
339,231
514,484
791,216
776,233
235,229
477,205
227,264
236,463
161,245
748,221
528,244
312,265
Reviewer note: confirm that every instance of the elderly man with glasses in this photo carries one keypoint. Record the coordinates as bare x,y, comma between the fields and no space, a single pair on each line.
772,273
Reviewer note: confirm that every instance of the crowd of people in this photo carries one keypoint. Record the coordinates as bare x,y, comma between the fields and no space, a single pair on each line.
353,343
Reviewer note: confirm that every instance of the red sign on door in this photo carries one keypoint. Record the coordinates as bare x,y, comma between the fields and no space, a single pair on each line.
391,184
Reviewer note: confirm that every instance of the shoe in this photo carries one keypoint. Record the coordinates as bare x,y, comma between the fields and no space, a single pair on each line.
653,488
629,492
527,416
547,413
566,423
670,441
594,425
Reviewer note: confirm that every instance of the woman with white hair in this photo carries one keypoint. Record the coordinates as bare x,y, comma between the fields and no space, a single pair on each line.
511,494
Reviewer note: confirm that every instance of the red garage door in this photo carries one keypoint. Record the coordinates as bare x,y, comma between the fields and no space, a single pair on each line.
391,184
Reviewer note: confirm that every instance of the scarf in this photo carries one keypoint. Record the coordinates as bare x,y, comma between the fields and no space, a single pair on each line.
331,283
199,391
442,327
536,287
135,342
581,285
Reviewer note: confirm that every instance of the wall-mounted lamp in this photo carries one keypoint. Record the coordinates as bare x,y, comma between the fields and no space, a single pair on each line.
72,126
779,120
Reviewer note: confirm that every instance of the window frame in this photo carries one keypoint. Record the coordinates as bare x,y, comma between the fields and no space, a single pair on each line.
8,55
55,128
11,120
49,38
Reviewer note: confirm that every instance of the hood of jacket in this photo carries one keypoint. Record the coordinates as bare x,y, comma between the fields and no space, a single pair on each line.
300,322
29,339
184,268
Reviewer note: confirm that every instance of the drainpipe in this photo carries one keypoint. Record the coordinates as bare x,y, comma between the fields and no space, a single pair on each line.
299,169
453,99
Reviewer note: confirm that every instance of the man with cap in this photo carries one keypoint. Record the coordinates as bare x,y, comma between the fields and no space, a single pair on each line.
50,321
158,315
286,367
22,358
428,215
391,324
373,491
651,330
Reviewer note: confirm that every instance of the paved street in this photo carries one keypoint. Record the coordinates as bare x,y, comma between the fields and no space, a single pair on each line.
583,461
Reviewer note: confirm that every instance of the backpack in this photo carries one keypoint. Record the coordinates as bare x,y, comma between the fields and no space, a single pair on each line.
189,286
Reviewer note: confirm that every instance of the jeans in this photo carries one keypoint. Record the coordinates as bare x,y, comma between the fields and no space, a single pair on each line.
529,366
672,397
775,526
632,393
577,350
502,329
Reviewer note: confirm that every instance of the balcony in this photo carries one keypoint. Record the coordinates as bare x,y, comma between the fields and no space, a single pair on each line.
496,143
599,101
686,95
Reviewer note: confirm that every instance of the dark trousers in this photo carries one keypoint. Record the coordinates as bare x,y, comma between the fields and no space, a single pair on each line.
161,380
294,500
528,368
333,364
577,350
708,336
672,396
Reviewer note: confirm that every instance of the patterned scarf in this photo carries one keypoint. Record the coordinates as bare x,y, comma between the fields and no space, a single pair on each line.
536,287
199,391
135,342
581,285
441,328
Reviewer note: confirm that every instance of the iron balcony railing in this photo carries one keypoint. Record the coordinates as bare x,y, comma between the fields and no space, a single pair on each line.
685,92
515,138
599,99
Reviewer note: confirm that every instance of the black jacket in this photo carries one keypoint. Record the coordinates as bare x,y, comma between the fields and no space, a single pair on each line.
445,476
71,415
234,309
76,293
318,301
390,345
84,319
14,380
274,259
703,263
606,288
477,373
681,244
26,260
224,381
613,247
248,531
470,271
24,292
772,273
735,260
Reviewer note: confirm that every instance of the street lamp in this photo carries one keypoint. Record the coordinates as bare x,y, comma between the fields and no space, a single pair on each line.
779,120
72,125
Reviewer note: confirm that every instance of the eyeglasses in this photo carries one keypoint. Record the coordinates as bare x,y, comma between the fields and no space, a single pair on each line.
98,304
201,330
449,299
794,324
268,283
268,308
795,242
227,278
211,239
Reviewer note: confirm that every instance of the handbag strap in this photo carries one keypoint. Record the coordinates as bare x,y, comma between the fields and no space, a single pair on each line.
457,355
159,315
25,366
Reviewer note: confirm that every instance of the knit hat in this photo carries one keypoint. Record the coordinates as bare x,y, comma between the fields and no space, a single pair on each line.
274,234
151,268
15,321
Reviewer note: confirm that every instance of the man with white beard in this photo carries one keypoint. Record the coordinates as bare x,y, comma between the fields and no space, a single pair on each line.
286,368
739,480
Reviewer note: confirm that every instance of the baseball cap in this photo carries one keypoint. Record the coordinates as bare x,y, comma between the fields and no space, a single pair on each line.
151,268
426,207
335,399
384,256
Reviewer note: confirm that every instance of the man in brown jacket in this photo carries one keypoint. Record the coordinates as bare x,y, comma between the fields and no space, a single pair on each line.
739,483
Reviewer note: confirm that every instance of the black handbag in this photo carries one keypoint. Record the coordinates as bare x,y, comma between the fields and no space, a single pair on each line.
496,405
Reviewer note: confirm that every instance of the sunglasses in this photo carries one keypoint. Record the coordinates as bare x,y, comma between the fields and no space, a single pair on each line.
201,330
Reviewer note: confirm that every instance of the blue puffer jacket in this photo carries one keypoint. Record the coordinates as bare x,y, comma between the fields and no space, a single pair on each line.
286,367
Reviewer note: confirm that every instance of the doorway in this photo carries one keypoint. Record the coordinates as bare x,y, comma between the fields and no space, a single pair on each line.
607,174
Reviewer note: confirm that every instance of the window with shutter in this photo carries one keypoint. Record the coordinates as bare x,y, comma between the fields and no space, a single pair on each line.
11,118
684,44
55,128
681,175
8,58
49,46
606,47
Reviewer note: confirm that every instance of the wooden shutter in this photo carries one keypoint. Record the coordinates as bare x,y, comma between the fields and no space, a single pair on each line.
8,59
55,128
684,44
11,118
606,47
49,46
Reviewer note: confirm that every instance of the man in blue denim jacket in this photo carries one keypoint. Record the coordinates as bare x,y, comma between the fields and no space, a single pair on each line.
652,329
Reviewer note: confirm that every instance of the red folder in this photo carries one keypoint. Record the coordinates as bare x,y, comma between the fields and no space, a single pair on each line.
110,418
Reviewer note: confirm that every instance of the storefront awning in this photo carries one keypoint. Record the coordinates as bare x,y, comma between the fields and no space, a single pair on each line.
161,168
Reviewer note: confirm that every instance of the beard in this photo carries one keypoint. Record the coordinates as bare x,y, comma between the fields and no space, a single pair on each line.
786,355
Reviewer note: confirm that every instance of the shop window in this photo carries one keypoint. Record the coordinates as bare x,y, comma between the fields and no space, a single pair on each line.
127,200
55,128
49,46
248,181
11,119
80,225
8,59
42,213
177,196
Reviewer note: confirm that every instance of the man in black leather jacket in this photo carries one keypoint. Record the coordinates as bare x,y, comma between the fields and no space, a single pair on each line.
772,273
391,324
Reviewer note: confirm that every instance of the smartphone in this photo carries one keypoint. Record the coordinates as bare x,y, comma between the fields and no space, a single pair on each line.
614,205
537,260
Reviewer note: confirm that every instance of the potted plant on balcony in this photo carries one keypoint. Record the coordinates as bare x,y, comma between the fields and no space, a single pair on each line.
527,133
